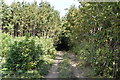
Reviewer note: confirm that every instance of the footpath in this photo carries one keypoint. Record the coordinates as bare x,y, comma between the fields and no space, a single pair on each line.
76,71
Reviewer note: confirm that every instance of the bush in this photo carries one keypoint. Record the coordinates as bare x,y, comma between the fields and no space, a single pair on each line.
27,54
100,59
46,45
23,55
6,41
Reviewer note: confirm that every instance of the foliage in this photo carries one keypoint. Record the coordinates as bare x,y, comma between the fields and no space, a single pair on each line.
26,54
38,20
47,45
23,55
94,29
6,41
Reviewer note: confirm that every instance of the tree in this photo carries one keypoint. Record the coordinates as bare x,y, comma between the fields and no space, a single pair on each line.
94,34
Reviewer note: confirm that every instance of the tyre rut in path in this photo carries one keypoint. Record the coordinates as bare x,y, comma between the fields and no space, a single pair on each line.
53,71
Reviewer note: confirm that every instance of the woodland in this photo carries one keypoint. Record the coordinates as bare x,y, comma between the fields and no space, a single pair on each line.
31,34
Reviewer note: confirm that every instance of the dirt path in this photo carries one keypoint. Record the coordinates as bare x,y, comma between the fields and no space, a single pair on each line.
78,73
53,71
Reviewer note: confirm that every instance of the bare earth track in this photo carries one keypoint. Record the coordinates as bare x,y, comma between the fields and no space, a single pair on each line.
76,71
53,73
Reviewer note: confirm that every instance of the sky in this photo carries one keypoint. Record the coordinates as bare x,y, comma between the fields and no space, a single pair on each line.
59,5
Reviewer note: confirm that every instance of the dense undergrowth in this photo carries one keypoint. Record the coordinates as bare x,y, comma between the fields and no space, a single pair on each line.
26,55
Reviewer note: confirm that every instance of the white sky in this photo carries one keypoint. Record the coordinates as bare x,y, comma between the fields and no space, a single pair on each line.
59,5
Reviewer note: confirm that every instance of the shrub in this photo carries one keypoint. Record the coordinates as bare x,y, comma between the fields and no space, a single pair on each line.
28,54
46,45
23,55
6,41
